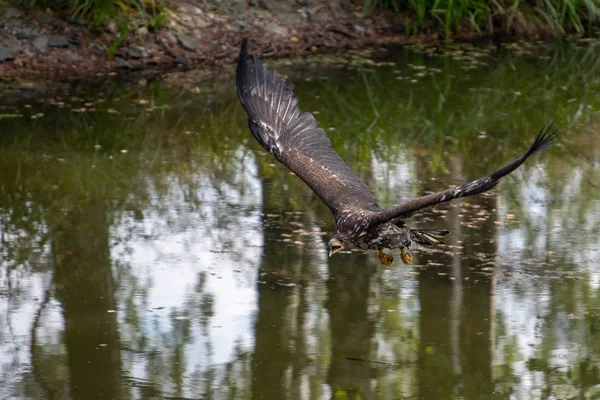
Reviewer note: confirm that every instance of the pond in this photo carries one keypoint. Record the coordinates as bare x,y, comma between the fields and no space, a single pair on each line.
152,249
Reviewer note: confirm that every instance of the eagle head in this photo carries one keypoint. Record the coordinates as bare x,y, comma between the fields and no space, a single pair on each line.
335,244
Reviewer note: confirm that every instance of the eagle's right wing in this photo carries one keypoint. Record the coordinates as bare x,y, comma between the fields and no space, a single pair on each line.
294,137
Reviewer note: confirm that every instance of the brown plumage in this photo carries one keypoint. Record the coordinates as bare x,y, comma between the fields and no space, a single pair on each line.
295,139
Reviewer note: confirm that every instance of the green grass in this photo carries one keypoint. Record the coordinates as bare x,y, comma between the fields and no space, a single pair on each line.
561,16
101,12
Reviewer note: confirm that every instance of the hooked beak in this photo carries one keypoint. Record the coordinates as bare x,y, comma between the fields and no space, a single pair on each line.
334,246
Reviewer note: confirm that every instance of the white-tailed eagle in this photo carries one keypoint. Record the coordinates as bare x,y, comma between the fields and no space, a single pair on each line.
295,139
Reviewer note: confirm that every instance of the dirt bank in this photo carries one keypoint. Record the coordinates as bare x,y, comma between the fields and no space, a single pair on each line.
45,46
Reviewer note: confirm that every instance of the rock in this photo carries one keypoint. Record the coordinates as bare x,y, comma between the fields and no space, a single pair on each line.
286,11
194,10
238,26
15,46
25,34
58,41
336,8
5,53
170,36
112,26
121,63
75,57
238,6
122,52
98,49
360,30
188,42
202,23
41,43
137,52
319,14
276,29
74,42
180,59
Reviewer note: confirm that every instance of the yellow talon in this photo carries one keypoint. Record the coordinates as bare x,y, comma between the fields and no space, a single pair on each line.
385,259
406,257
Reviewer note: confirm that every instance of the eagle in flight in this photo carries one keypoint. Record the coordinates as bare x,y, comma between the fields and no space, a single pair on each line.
296,140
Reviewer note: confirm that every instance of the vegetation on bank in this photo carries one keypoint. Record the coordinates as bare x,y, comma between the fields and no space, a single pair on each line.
101,12
562,16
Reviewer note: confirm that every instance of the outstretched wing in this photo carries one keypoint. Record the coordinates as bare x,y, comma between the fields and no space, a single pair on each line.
294,137
542,141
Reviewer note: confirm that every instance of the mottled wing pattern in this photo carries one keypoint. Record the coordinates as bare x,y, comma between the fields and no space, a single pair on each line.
542,141
294,137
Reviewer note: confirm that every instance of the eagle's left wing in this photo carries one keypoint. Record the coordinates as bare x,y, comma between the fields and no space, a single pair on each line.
542,141
294,137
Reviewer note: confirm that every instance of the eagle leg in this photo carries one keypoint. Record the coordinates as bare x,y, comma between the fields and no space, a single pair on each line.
385,259
406,256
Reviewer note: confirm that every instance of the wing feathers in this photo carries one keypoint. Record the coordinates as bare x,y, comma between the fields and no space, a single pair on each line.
294,137
543,140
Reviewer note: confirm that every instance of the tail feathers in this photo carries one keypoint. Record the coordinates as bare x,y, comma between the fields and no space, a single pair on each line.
428,237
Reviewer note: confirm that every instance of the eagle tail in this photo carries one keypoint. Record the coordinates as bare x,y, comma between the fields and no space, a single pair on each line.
428,237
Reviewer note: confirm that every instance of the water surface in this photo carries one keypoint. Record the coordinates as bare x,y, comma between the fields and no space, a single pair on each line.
151,249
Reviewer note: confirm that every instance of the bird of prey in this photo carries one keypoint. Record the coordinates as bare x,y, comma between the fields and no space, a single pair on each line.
295,139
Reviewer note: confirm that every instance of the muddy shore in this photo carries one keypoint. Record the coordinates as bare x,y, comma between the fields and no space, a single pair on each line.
48,47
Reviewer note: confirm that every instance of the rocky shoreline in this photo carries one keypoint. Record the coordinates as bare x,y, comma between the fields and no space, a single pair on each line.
48,47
